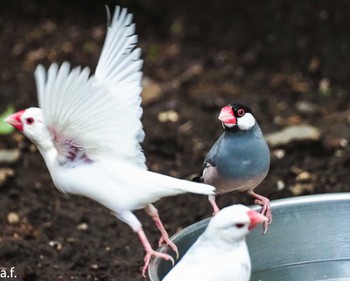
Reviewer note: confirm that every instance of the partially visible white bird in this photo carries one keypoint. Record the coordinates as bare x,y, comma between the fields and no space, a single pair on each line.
88,131
221,252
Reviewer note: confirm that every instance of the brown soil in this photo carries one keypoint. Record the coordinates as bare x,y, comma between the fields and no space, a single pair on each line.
268,54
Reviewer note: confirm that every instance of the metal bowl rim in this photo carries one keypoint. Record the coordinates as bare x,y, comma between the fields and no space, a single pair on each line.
278,203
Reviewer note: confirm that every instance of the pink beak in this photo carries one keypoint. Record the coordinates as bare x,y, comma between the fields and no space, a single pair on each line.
227,116
15,120
255,219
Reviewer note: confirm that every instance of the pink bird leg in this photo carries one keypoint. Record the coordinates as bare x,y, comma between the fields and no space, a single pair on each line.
150,252
153,213
211,199
129,218
266,208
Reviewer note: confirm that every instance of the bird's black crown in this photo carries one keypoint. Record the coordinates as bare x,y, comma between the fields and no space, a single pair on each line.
238,106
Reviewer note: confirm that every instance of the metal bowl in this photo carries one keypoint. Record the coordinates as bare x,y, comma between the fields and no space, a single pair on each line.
308,240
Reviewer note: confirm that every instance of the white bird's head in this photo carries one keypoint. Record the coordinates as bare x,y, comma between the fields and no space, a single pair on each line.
234,222
30,122
237,116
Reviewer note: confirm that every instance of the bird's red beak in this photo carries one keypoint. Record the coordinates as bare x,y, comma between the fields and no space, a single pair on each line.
227,116
15,120
255,219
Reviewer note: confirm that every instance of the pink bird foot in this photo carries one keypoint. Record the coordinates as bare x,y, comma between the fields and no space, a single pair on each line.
150,252
164,239
266,208
148,257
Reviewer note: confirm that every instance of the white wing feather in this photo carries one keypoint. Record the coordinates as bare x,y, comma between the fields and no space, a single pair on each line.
119,66
98,114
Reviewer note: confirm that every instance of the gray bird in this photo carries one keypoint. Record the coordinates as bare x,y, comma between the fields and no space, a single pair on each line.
240,158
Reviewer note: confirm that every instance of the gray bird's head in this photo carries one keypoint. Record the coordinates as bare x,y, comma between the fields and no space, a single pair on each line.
237,116
234,222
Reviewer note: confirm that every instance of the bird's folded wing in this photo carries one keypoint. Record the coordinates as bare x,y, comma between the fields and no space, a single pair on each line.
210,159
97,116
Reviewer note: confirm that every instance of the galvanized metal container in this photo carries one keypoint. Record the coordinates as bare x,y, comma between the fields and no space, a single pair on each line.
308,240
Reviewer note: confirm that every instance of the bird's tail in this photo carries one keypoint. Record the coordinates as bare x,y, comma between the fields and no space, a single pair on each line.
183,186
156,186
198,188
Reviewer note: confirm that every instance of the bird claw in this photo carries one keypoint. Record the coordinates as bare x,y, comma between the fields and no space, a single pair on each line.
265,210
165,241
148,257
265,226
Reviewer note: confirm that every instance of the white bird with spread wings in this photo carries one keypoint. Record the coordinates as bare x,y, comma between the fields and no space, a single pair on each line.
88,130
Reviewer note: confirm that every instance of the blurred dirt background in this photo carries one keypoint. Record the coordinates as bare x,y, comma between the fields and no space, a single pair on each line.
288,60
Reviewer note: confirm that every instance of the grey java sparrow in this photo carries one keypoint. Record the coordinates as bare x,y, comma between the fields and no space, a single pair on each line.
221,252
240,158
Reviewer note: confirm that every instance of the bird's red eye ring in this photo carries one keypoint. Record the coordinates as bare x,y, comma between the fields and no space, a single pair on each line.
29,120
240,112
239,225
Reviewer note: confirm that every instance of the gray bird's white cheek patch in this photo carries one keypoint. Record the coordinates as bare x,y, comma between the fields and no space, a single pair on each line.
246,122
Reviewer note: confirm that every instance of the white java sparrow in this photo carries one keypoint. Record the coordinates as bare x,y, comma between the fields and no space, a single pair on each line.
88,131
240,158
220,253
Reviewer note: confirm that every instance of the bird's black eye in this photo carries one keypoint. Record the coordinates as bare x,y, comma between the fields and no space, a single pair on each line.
29,120
239,225
240,112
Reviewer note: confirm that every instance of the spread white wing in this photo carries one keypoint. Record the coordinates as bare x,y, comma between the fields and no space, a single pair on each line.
97,116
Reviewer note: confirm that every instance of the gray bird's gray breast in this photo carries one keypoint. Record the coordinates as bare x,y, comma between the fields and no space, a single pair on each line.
241,161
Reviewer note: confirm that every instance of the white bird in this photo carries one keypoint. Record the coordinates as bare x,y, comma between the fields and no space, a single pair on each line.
221,252
88,131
